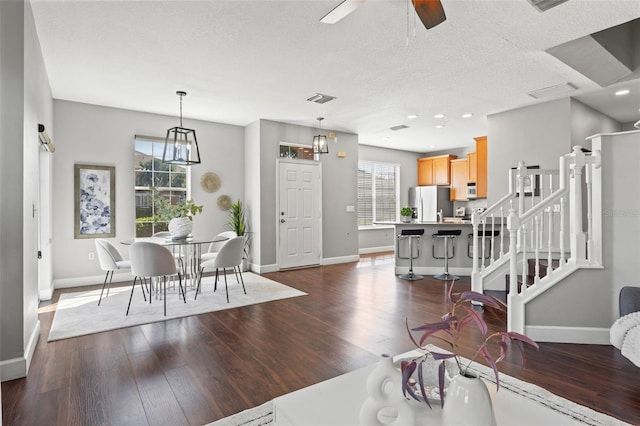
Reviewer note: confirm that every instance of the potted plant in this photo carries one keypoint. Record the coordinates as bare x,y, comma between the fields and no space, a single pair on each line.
180,215
406,213
236,222
459,317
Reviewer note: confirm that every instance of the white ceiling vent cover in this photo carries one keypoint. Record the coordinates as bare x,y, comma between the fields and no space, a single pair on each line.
398,127
553,91
319,98
543,5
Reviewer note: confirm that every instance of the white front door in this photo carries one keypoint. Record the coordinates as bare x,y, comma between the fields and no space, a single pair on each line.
299,214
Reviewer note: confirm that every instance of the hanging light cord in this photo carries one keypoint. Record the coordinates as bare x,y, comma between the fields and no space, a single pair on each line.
181,95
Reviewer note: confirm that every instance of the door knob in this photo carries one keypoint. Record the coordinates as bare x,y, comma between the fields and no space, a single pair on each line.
282,221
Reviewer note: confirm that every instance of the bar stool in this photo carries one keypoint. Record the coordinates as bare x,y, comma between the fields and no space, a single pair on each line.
446,235
488,235
411,234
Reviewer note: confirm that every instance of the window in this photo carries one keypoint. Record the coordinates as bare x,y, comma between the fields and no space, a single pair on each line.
378,192
151,173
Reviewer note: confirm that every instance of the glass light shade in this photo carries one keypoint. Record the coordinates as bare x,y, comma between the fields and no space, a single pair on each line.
320,145
181,147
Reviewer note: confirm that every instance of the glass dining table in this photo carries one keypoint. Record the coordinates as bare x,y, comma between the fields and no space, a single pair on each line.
187,250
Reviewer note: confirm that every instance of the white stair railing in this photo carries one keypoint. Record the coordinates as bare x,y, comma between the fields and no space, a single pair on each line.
537,208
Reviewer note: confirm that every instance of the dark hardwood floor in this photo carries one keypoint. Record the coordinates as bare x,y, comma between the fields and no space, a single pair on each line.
198,369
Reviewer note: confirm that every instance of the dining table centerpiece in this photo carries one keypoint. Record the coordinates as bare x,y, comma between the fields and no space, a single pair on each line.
179,215
466,400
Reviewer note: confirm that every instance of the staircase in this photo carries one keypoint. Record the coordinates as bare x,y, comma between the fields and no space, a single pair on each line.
551,227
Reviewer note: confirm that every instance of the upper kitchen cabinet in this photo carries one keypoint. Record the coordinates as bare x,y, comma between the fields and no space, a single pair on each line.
480,167
435,170
459,179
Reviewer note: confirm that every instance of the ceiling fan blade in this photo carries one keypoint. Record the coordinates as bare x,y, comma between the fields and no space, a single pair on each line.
430,12
341,10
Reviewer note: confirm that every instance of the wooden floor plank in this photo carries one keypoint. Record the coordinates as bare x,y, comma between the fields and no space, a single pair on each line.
198,369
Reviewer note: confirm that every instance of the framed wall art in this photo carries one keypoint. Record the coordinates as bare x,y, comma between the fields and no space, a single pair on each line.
95,201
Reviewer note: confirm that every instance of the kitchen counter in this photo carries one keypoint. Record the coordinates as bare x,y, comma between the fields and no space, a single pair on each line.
425,264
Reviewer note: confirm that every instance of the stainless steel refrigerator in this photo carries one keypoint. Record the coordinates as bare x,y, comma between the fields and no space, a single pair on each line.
426,201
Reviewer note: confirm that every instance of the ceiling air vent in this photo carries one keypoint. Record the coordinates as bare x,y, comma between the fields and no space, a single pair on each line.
543,5
319,98
553,91
399,127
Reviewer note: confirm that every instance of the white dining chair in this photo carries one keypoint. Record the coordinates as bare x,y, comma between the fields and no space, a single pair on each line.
110,260
215,246
228,257
150,260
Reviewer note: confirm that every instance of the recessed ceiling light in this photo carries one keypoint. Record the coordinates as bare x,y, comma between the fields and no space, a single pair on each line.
432,146
439,126
467,115
623,92
439,116
387,138
412,116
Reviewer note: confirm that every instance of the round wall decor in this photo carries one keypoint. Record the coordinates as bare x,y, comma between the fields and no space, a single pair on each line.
210,182
224,202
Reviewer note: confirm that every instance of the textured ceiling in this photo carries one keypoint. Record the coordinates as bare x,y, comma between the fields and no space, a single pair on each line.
243,60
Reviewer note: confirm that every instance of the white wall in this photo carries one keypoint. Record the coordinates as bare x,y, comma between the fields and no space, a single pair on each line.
340,231
372,239
537,134
25,102
90,134
586,121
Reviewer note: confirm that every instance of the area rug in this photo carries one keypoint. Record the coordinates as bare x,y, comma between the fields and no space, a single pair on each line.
78,314
263,414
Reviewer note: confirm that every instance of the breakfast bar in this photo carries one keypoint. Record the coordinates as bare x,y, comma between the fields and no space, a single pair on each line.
428,251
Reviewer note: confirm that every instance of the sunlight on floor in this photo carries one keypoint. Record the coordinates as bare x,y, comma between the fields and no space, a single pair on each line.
374,259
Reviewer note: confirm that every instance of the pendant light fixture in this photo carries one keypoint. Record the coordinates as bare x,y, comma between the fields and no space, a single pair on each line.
181,145
320,145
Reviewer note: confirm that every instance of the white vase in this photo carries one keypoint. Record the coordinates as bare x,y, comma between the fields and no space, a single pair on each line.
180,227
385,404
468,402
406,219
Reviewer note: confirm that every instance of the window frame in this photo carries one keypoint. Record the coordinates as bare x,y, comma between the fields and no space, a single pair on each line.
372,183
159,143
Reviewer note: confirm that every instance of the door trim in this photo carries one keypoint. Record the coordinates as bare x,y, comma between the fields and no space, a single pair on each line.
280,161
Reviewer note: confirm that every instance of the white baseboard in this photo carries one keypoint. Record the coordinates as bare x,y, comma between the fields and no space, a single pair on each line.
369,250
17,368
342,259
31,345
261,269
45,294
578,335
90,280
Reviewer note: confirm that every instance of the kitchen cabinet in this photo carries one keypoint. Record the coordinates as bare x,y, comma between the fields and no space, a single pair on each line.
481,166
459,179
473,166
435,170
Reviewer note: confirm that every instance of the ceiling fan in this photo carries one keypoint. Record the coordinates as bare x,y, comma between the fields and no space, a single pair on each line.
430,12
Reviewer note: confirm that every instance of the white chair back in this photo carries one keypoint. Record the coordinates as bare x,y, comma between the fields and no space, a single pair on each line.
108,255
230,253
215,247
151,260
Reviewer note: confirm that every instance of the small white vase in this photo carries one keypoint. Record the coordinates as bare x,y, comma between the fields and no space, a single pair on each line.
385,404
467,402
406,219
180,227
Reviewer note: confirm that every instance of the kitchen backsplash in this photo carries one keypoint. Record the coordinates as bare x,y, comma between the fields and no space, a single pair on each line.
470,205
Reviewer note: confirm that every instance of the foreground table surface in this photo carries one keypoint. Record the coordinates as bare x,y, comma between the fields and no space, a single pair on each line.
337,402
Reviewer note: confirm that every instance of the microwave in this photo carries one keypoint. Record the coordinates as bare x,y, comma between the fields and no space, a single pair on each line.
472,191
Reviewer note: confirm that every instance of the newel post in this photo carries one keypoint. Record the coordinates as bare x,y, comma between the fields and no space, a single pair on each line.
515,311
476,278
578,240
